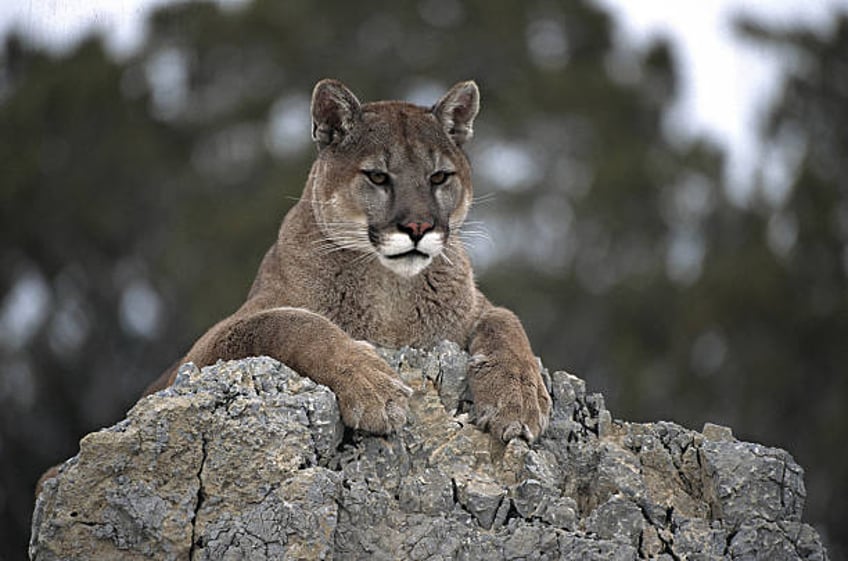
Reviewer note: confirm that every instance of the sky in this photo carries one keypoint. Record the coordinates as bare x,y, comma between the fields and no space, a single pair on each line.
727,82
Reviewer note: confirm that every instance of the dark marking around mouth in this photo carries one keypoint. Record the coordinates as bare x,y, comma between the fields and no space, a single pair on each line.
373,235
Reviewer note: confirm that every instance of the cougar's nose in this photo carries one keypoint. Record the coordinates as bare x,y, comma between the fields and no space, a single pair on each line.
416,230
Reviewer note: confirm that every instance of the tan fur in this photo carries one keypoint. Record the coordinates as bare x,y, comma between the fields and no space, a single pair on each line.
323,288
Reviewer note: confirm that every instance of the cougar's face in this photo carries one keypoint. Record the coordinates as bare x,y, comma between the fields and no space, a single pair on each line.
395,190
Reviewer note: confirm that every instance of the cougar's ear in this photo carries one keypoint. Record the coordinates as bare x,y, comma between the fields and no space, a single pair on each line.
457,109
334,111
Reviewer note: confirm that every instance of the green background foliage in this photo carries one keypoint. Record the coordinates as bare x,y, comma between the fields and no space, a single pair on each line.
138,196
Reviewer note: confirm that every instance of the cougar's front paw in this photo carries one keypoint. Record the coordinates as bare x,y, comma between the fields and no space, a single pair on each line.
370,394
509,395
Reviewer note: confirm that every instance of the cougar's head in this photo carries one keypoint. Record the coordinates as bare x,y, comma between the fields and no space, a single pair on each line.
391,180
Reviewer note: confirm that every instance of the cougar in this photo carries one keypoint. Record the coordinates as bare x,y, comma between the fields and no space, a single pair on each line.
370,254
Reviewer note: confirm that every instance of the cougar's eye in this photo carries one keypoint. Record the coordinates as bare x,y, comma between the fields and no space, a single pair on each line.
377,177
439,177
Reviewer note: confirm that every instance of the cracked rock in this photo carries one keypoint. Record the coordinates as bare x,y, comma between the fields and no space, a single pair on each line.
481,497
248,460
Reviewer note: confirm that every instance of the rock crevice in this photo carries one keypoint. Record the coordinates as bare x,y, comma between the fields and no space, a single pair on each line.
249,460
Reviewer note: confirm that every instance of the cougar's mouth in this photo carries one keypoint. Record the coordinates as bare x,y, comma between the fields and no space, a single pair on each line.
405,256
411,253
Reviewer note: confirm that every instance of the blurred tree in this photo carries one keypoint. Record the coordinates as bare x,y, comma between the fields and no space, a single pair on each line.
85,187
803,358
138,198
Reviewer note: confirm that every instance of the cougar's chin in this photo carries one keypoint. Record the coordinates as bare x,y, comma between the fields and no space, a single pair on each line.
408,264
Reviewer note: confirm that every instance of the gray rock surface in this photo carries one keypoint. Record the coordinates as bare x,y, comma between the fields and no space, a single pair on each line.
248,460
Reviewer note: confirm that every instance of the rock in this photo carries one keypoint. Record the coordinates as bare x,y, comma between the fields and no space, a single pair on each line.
248,460
717,432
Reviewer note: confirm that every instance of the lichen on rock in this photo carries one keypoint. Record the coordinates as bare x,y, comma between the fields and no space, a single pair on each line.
248,460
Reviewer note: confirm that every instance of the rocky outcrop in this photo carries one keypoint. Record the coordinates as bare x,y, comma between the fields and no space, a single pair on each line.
248,460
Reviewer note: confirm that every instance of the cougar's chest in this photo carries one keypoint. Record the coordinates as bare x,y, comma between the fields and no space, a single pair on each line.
396,312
